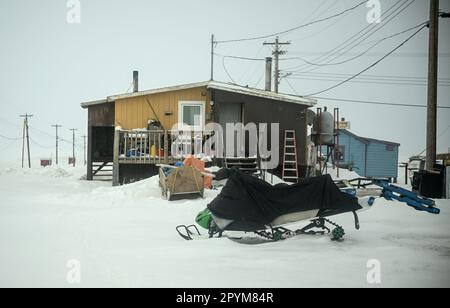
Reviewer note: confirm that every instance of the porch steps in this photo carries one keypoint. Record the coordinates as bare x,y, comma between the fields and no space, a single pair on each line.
248,165
102,171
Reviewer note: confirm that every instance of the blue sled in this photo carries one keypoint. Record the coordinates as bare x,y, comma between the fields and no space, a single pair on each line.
391,192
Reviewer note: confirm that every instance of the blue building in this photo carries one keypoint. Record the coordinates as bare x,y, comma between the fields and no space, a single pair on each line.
368,157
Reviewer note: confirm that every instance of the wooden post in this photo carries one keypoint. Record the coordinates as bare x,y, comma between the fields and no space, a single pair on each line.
447,182
116,158
406,173
166,147
89,175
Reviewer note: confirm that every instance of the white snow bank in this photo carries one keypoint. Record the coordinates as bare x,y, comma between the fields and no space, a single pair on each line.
125,237
344,174
50,171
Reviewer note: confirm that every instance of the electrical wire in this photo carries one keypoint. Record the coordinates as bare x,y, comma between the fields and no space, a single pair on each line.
371,66
375,77
239,58
374,102
226,71
359,55
437,138
9,138
40,145
380,82
11,143
291,29
361,36
376,54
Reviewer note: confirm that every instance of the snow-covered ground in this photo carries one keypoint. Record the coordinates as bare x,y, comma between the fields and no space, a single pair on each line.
125,237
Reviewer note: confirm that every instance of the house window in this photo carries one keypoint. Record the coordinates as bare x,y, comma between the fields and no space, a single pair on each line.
191,115
389,147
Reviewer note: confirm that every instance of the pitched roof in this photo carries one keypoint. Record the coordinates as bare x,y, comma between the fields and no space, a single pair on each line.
368,140
216,85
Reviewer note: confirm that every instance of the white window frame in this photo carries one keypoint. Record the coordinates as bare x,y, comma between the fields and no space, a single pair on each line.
181,105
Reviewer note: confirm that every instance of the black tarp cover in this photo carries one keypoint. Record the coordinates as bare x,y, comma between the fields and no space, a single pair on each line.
248,199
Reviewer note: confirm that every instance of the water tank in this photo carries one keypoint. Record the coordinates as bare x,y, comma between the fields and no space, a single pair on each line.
323,128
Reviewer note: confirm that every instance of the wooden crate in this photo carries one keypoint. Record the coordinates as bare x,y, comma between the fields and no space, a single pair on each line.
181,183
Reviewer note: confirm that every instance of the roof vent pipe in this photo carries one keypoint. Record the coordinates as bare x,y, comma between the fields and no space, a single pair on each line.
135,81
268,74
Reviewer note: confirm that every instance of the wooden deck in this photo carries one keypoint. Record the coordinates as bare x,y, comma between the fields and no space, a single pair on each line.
153,147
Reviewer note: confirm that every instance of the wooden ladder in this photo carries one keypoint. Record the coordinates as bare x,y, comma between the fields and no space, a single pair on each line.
290,164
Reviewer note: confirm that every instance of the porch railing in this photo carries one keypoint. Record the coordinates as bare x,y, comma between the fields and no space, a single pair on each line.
158,146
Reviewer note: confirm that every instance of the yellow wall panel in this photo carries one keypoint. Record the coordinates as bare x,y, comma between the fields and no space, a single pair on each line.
134,112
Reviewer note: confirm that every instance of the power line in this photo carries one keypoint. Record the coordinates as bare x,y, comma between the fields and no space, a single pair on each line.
252,68
325,64
303,38
369,76
374,54
368,81
317,9
440,135
361,35
226,71
371,66
50,135
292,88
11,143
9,138
359,55
239,58
40,145
374,102
291,29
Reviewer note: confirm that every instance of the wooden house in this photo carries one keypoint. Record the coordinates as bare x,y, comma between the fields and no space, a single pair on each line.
367,156
122,132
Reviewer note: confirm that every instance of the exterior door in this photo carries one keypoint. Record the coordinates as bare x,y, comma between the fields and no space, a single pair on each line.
231,113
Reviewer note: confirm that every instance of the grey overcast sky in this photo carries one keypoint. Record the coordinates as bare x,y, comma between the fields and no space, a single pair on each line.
49,66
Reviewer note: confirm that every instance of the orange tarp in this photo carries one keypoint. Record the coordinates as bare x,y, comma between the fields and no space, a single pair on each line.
200,166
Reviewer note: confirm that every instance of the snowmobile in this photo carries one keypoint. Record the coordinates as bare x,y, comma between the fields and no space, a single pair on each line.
251,205
248,204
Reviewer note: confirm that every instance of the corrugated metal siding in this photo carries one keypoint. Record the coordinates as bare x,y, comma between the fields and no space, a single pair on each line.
354,152
382,163
134,112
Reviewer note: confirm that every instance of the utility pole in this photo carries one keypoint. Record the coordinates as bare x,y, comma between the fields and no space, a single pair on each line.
73,145
56,126
84,148
277,53
432,84
27,136
212,57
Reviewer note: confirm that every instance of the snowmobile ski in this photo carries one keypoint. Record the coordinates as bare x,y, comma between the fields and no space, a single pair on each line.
270,235
187,232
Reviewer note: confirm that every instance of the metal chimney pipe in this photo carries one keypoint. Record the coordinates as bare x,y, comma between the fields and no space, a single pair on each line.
268,74
135,81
